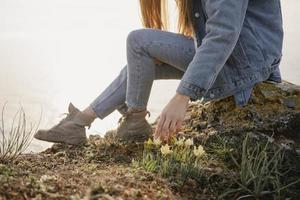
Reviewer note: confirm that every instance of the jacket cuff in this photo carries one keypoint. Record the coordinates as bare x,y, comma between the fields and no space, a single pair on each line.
190,90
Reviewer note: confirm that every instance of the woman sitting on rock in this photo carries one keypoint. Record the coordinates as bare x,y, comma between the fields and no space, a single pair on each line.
223,48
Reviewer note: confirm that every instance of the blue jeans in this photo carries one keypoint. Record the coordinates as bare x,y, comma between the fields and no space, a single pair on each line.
131,89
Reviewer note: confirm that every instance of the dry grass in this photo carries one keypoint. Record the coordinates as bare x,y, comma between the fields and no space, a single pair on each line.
15,137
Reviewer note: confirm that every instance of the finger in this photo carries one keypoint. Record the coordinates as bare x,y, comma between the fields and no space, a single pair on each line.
163,136
172,130
166,126
159,126
169,137
173,125
178,126
156,122
156,134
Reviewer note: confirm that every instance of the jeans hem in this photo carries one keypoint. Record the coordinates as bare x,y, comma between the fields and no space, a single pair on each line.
138,107
97,112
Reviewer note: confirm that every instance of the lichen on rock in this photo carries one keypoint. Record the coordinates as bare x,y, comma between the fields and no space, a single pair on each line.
273,110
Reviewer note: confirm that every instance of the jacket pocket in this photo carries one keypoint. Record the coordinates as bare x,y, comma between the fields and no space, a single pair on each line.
239,56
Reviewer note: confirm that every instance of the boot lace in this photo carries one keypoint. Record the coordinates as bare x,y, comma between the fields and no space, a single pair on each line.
67,117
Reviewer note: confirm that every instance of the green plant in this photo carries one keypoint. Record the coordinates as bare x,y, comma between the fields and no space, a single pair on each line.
181,159
222,148
5,171
259,171
16,138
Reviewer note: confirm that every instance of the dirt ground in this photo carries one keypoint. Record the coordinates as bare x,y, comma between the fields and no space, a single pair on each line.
103,170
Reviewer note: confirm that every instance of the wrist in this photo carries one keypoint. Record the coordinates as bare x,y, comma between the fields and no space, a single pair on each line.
182,97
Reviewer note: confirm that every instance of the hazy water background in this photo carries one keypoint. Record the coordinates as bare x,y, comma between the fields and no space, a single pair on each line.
60,51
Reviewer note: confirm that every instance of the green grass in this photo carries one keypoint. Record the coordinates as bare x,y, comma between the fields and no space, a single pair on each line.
231,168
260,174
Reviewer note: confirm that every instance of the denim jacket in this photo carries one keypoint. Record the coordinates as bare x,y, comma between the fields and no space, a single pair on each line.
238,44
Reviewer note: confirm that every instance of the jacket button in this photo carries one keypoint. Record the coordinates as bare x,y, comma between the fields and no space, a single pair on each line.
211,95
197,15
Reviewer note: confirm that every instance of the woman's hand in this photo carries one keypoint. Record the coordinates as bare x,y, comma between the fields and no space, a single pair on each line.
171,118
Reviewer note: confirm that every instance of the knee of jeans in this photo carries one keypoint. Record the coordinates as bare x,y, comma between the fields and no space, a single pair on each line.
135,39
123,72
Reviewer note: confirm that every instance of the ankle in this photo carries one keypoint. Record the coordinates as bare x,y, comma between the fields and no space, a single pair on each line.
89,114
82,120
135,110
85,117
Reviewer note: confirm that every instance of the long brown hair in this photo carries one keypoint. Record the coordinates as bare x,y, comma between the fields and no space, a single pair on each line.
155,15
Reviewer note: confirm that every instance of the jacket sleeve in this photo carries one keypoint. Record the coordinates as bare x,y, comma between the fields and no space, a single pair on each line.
222,29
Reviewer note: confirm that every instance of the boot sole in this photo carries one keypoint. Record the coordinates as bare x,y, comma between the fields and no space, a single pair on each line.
71,141
134,138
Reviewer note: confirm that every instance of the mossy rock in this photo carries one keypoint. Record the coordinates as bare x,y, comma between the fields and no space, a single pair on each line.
273,110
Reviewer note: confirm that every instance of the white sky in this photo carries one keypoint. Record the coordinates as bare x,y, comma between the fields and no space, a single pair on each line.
56,51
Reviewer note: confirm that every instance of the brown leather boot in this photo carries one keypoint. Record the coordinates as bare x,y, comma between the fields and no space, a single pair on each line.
70,130
133,127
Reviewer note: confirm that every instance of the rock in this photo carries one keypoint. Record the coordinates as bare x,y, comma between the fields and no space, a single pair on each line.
273,110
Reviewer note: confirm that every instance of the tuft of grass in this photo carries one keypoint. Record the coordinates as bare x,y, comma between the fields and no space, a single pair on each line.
260,173
16,137
222,147
5,171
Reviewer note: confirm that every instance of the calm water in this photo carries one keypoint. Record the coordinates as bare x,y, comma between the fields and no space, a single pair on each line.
55,52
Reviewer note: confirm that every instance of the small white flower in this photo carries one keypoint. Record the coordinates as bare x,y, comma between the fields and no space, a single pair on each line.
165,150
198,152
45,178
157,142
270,139
180,142
189,142
149,141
